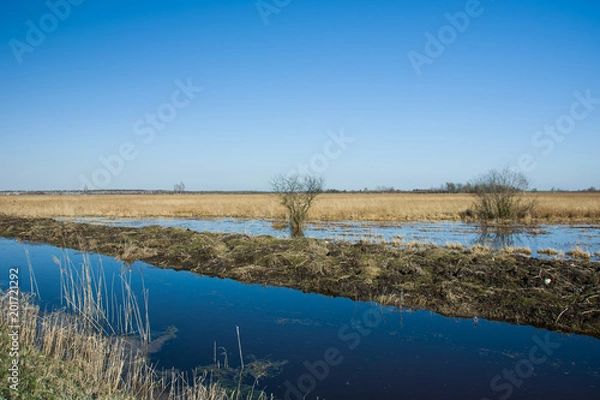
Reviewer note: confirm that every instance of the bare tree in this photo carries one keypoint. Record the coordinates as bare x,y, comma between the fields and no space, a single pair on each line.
297,193
501,194
179,187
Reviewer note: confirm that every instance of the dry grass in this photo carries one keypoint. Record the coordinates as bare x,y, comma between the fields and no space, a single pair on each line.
454,246
524,251
579,253
549,252
96,347
552,207
62,359
479,249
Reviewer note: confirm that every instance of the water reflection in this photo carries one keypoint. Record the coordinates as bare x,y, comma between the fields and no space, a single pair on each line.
499,237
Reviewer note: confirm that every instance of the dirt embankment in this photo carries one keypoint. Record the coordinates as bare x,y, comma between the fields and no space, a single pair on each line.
562,295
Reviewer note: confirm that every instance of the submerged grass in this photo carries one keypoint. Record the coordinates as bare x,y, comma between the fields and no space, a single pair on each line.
474,281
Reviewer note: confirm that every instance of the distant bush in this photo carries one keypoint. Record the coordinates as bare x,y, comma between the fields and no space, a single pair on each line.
501,195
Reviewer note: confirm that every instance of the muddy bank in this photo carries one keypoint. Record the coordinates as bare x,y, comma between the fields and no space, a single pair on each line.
561,295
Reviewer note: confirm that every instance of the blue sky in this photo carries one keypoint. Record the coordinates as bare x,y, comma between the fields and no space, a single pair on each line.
354,90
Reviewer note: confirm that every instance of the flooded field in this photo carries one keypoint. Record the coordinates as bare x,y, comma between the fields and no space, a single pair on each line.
561,238
299,345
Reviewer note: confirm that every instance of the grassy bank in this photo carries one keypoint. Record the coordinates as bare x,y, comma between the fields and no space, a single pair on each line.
560,294
552,207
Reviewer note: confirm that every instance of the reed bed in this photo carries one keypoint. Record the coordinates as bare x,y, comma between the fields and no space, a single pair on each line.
399,207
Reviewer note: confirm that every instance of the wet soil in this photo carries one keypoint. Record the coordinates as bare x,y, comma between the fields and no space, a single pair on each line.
561,295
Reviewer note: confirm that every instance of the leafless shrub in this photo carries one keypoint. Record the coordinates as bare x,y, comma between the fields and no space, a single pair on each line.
297,193
501,195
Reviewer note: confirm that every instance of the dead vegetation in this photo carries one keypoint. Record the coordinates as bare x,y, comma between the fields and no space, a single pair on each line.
61,357
454,282
549,252
398,207
579,253
97,347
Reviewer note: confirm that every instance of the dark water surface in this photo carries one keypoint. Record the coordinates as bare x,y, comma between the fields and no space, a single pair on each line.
335,347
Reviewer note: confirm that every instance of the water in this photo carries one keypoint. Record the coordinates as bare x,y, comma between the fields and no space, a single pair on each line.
338,348
559,237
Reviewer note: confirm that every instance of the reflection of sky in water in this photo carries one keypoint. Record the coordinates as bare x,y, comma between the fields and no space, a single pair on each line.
559,237
387,353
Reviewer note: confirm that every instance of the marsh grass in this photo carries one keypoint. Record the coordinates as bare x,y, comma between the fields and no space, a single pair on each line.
454,246
60,354
398,207
548,252
579,253
111,311
96,346
524,251
480,249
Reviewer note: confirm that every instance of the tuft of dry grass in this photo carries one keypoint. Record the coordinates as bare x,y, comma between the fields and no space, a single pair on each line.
480,249
454,246
415,245
579,253
549,252
399,207
525,251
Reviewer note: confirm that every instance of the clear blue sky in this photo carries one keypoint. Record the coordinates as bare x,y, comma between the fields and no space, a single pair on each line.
82,82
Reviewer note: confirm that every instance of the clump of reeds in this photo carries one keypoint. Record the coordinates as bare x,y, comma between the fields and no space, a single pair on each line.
63,352
579,253
548,252
454,246
415,245
480,249
86,350
525,251
114,311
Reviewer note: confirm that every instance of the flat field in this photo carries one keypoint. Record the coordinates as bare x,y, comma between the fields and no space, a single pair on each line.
552,207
